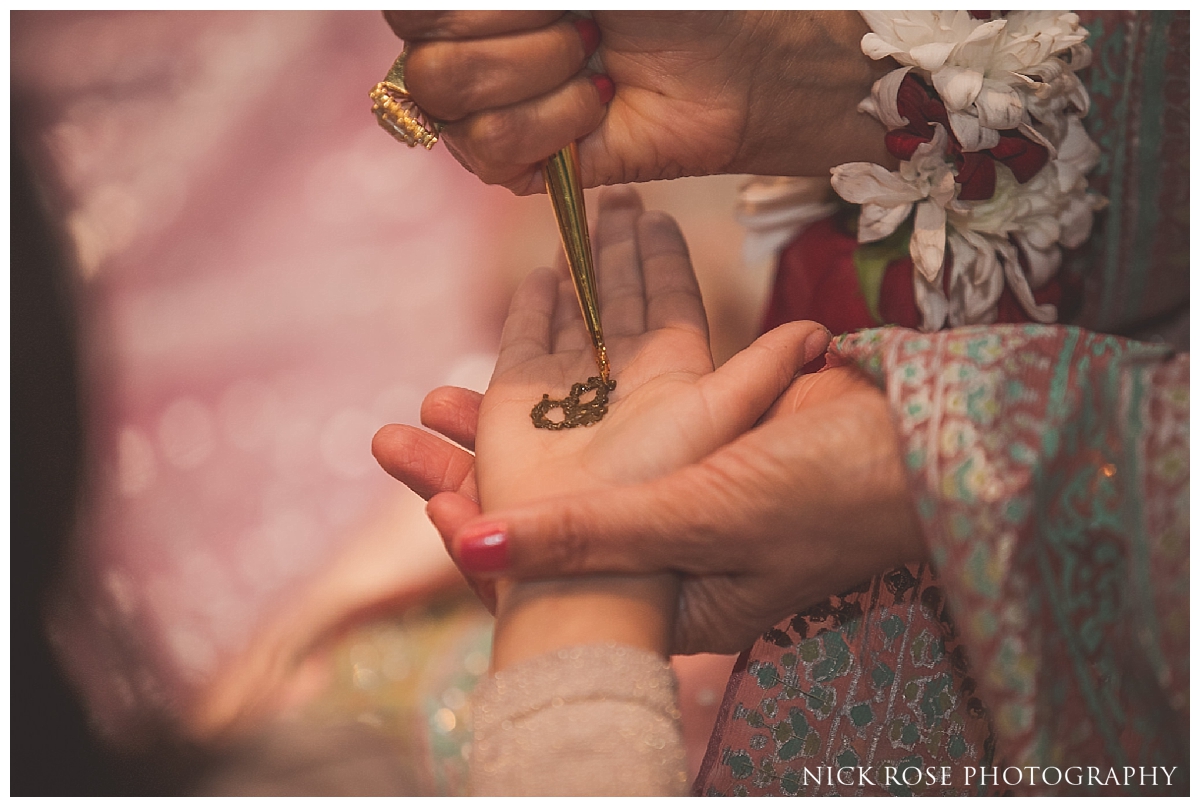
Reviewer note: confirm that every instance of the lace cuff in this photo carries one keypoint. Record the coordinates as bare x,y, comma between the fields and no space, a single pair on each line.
599,720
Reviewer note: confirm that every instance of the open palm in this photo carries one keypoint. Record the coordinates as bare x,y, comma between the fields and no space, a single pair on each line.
668,408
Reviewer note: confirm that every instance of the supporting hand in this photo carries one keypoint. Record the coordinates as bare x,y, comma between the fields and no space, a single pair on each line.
806,505
669,409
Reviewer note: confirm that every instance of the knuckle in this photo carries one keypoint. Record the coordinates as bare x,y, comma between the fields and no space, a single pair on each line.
451,136
570,551
497,139
586,109
482,23
523,184
459,24
517,179
411,24
452,81
434,79
436,24
482,77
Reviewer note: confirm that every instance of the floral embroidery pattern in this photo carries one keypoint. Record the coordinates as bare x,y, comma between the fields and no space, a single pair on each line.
1030,458
873,680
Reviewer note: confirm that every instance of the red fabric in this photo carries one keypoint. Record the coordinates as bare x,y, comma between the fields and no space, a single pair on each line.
976,170
816,280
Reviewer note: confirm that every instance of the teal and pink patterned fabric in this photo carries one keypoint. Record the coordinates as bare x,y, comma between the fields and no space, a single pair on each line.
1049,469
1135,268
1044,648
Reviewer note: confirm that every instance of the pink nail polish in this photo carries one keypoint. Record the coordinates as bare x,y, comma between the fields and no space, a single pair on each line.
604,86
483,549
589,32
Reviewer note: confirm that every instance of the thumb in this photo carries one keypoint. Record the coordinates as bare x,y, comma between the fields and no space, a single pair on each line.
675,523
448,511
742,389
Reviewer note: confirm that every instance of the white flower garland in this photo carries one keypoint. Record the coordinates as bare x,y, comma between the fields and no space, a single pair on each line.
1012,73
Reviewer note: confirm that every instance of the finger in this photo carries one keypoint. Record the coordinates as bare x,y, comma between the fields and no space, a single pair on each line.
526,332
677,523
448,512
453,412
450,79
672,293
464,24
507,146
618,266
424,462
740,391
569,332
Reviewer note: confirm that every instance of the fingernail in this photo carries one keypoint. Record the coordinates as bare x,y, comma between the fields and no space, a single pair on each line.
604,86
589,32
815,344
483,549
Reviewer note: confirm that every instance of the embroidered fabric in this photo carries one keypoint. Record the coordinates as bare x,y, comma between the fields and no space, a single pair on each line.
595,720
921,668
1048,468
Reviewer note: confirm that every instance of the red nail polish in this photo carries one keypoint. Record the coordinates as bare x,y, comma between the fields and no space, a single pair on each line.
604,86
483,549
589,32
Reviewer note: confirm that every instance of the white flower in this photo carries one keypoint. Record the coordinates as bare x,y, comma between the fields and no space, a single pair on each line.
1017,72
882,103
976,279
1076,157
953,50
1056,91
887,198
992,75
923,39
1050,211
1033,37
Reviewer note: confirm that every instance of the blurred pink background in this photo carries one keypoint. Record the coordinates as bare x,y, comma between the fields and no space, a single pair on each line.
264,278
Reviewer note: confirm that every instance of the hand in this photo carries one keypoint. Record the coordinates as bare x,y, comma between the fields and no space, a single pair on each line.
669,408
808,504
687,93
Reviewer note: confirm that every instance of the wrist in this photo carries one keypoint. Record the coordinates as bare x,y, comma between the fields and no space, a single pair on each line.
804,118
539,616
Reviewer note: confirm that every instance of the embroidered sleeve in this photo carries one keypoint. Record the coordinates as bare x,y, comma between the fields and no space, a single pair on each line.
1049,467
